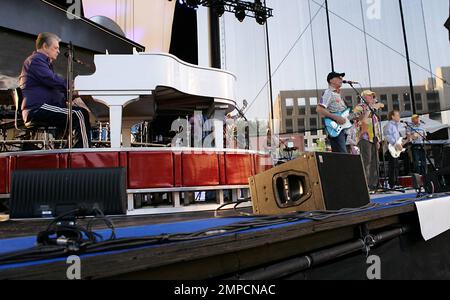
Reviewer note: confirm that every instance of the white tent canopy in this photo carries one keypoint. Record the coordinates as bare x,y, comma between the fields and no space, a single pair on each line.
431,126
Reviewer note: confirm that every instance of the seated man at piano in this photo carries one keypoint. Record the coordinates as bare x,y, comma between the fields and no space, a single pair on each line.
45,92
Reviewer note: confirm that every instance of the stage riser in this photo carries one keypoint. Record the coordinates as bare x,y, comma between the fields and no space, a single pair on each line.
147,169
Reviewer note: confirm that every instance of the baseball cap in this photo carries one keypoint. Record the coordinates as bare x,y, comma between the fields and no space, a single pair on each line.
333,75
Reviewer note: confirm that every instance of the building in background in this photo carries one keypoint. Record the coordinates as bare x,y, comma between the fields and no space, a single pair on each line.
295,111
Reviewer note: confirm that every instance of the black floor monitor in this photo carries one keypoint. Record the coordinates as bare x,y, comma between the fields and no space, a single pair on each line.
50,193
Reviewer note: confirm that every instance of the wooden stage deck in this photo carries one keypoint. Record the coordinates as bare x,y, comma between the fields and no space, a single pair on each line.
216,257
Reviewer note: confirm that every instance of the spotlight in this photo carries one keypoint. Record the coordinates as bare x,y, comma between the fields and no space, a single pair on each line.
240,13
260,14
261,19
220,9
241,8
192,3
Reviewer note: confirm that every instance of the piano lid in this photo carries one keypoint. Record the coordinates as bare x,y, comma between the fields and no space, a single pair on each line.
27,17
143,73
65,4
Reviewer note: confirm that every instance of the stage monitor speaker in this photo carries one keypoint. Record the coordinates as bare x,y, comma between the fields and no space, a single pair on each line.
438,182
50,193
315,181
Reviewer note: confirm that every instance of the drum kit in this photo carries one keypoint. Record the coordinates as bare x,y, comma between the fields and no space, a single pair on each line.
101,133
140,135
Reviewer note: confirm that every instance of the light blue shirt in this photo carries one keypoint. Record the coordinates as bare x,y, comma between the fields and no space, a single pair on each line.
417,129
391,132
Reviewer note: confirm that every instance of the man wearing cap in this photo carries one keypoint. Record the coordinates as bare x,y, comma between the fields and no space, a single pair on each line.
417,133
331,103
368,137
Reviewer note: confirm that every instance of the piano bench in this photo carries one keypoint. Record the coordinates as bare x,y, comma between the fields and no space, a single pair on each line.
30,145
37,134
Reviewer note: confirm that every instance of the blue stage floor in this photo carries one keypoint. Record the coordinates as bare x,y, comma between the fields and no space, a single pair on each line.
23,243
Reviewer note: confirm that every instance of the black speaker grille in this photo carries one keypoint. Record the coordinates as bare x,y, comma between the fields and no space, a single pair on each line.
343,181
48,193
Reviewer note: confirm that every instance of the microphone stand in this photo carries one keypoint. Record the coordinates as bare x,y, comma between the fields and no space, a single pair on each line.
374,113
70,92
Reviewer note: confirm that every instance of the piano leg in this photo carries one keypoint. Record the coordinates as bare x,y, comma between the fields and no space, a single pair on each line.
219,117
115,120
116,104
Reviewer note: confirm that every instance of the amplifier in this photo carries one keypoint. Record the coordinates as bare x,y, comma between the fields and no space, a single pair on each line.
315,181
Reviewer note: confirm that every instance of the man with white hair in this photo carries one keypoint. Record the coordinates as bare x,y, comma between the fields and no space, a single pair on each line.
45,93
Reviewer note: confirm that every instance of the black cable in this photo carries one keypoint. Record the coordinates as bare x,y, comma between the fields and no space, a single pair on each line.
64,229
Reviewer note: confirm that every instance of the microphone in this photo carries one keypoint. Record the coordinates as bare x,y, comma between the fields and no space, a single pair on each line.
350,82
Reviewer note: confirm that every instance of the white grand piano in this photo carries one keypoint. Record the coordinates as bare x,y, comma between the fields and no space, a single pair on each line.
135,86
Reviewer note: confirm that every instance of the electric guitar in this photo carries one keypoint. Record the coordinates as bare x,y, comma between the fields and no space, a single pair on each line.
334,129
396,153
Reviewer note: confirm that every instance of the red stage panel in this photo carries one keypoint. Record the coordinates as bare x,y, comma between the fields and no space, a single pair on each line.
44,161
222,167
4,175
146,170
94,160
178,169
123,158
150,170
238,168
262,163
200,169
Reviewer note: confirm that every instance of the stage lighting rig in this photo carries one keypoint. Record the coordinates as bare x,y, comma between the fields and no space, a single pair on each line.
241,9
240,13
260,15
